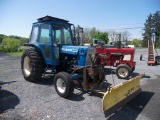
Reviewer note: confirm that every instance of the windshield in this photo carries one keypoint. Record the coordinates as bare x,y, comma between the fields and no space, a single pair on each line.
62,34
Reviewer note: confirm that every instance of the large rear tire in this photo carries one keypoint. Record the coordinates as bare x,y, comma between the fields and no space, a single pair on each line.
32,65
123,71
63,84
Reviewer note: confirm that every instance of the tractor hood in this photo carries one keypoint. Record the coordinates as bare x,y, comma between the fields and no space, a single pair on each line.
74,50
82,53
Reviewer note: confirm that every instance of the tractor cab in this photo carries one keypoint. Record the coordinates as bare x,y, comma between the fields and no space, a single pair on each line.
49,34
55,39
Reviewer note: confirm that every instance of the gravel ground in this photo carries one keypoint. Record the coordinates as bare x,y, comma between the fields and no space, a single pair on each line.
22,100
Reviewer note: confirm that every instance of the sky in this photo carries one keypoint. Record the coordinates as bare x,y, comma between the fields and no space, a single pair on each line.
17,16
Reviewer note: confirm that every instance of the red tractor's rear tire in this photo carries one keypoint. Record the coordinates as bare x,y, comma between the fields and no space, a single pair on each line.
32,65
123,71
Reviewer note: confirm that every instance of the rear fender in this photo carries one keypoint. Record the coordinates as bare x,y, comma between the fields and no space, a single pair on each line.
28,45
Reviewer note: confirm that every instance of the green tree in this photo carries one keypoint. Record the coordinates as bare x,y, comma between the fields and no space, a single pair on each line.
22,41
9,45
136,42
101,35
156,28
1,37
87,38
147,31
152,25
92,32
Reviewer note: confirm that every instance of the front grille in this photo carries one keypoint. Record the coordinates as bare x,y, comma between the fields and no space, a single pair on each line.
92,51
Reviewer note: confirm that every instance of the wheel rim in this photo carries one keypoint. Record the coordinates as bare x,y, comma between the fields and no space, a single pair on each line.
61,85
123,72
27,67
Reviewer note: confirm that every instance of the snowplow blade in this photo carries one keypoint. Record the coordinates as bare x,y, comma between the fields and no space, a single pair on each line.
120,94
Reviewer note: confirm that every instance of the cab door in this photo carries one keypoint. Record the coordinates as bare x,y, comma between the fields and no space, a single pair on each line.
44,42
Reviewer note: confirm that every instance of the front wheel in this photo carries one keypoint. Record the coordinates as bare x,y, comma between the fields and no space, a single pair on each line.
63,84
123,71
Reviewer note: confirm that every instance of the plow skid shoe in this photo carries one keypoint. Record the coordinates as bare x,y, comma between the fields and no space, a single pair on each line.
120,94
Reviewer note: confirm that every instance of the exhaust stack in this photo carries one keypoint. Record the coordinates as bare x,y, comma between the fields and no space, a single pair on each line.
119,41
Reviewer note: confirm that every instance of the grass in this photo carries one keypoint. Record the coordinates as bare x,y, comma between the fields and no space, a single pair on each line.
15,53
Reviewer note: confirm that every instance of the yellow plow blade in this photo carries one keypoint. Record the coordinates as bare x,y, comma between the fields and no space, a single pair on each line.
120,94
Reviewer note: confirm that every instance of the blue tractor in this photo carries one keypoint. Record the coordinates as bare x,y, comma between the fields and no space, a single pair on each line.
53,46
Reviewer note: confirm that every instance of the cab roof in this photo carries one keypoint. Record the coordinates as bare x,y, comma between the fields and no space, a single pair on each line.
50,18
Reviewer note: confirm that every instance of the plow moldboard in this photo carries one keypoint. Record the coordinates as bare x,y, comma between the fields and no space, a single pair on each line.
120,94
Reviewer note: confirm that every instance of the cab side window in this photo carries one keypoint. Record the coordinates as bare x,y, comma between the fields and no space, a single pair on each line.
34,34
67,37
58,37
44,33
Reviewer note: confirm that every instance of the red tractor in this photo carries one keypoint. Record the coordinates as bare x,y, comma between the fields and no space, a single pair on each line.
120,57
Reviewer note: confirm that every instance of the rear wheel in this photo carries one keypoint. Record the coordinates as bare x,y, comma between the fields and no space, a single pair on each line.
32,65
63,84
123,71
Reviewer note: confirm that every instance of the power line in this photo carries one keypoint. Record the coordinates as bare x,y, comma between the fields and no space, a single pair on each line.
128,24
126,28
